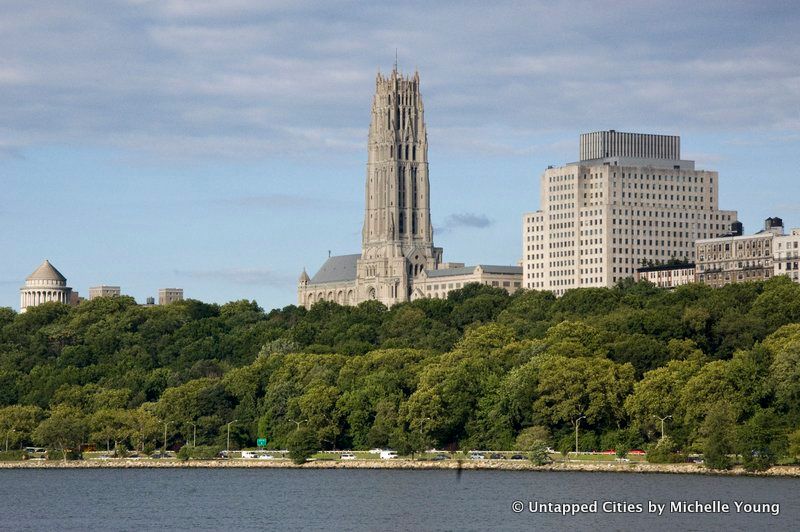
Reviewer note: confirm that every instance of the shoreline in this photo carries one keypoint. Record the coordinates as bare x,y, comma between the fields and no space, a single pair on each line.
483,465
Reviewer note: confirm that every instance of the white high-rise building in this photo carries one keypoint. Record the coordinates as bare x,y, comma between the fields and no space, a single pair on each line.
630,200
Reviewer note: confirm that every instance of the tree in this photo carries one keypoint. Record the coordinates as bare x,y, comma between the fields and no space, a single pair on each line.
794,444
760,441
714,383
717,430
785,370
538,453
530,438
146,426
587,386
658,394
318,407
63,430
112,425
302,445
663,452
17,423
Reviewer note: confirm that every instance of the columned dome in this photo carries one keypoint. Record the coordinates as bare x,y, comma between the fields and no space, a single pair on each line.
44,285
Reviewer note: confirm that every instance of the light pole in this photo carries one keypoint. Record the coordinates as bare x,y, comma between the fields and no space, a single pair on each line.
662,419
194,434
577,422
8,433
228,446
164,450
298,423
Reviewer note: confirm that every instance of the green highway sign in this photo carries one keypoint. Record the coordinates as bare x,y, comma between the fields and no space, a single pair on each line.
262,442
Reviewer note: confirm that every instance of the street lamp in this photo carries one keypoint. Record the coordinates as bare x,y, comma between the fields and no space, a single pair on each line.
662,419
577,422
8,432
194,434
298,423
228,447
164,451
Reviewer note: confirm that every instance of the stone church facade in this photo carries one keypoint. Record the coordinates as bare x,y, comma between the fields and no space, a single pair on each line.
397,235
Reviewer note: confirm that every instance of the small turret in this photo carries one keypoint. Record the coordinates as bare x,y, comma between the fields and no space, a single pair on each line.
304,279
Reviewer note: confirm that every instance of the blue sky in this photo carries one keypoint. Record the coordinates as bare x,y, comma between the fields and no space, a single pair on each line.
220,146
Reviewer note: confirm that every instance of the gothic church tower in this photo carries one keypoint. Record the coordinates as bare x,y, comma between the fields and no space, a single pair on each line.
397,236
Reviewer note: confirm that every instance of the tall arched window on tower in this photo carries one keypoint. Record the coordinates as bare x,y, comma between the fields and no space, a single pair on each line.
414,188
402,225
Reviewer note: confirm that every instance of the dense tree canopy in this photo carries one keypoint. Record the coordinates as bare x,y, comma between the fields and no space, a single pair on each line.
480,369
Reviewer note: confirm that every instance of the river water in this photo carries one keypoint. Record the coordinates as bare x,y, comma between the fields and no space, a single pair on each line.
291,499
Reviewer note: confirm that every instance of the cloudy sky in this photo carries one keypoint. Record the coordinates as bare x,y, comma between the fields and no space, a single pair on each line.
220,145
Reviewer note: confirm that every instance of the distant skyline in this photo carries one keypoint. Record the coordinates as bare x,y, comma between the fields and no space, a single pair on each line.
168,143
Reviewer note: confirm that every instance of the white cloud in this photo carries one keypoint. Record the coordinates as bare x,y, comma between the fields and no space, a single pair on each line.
246,78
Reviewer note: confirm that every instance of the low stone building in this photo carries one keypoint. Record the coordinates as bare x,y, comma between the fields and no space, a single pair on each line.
439,283
738,259
668,275
44,285
169,295
104,291
786,255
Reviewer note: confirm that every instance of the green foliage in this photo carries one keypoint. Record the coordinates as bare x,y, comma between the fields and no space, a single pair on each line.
12,455
531,438
622,441
302,445
201,452
537,453
717,430
663,452
17,424
62,431
760,441
794,444
480,369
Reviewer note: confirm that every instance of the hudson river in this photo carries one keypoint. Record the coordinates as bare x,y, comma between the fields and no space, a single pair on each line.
291,499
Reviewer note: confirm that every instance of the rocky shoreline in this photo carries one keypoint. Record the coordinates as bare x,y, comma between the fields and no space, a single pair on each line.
490,465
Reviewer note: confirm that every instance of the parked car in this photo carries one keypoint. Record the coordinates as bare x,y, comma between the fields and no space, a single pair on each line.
35,453
388,455
348,456
440,457
517,457
476,456
497,456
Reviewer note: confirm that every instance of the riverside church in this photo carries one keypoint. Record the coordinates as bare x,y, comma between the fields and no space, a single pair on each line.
398,260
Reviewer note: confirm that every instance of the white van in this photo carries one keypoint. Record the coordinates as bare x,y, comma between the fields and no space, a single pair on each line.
256,455
388,455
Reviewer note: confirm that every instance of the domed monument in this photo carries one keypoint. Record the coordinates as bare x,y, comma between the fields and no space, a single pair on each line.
44,285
